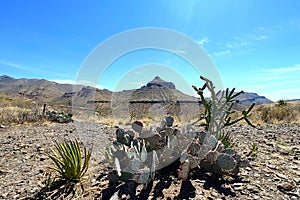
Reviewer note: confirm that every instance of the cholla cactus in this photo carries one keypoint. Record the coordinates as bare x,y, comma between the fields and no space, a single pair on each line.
205,150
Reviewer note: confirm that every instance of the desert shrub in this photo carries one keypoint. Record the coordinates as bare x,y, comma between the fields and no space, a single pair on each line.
19,115
59,117
18,110
280,113
281,102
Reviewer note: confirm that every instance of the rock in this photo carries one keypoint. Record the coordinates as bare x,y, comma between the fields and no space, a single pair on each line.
281,176
285,186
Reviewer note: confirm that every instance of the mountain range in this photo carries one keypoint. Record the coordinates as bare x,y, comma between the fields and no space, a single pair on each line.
155,91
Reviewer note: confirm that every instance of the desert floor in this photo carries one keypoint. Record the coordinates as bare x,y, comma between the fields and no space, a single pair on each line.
273,174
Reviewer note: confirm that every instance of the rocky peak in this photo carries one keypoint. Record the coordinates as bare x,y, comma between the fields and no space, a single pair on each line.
157,81
6,78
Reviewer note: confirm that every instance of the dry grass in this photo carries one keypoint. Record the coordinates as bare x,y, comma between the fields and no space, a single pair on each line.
276,114
18,110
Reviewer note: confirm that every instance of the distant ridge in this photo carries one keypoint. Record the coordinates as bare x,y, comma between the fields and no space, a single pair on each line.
247,98
156,90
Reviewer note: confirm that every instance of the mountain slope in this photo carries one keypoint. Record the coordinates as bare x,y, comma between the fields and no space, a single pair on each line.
156,90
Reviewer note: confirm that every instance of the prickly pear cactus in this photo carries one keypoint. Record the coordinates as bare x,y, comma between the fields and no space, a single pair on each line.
226,162
135,157
169,121
184,170
135,164
142,175
194,148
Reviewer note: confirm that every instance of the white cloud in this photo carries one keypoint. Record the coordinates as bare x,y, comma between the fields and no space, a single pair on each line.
221,53
294,68
203,41
260,37
14,65
245,40
271,78
290,91
237,44
64,81
86,83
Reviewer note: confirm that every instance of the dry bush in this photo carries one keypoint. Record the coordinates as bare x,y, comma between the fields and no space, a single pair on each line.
277,113
19,115
18,110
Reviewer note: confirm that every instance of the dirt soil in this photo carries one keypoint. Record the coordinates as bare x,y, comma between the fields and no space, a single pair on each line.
274,173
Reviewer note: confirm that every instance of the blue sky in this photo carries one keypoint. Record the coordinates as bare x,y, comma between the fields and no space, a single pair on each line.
254,44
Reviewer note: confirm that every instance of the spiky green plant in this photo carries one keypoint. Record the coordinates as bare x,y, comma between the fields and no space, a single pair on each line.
226,139
69,160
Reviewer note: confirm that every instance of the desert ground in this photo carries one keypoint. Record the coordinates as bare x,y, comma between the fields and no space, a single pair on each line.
274,173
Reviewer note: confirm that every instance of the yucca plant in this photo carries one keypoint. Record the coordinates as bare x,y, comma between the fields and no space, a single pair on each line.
70,162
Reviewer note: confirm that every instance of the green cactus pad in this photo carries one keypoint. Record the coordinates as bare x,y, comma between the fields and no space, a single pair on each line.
194,148
194,161
163,124
212,142
135,164
226,161
201,136
142,175
137,126
117,165
169,121
211,157
183,156
229,151
143,153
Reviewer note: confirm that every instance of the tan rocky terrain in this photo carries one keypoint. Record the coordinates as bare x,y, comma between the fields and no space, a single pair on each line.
274,173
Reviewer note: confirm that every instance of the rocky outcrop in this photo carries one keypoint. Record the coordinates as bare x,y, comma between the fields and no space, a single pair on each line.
157,81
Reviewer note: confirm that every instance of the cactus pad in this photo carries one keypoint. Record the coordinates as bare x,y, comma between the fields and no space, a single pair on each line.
184,170
226,161
212,142
169,121
135,164
142,175
194,148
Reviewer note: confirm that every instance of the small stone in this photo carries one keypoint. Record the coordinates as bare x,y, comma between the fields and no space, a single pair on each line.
271,166
286,186
295,167
297,180
281,176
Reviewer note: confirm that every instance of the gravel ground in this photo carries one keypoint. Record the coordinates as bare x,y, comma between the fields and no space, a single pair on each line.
273,174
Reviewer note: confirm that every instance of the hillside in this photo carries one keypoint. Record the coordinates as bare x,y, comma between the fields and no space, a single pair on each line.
155,92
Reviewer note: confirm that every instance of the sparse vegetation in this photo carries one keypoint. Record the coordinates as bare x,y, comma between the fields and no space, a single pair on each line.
281,112
69,160
59,117
253,150
281,102
142,153
138,154
19,110
281,143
